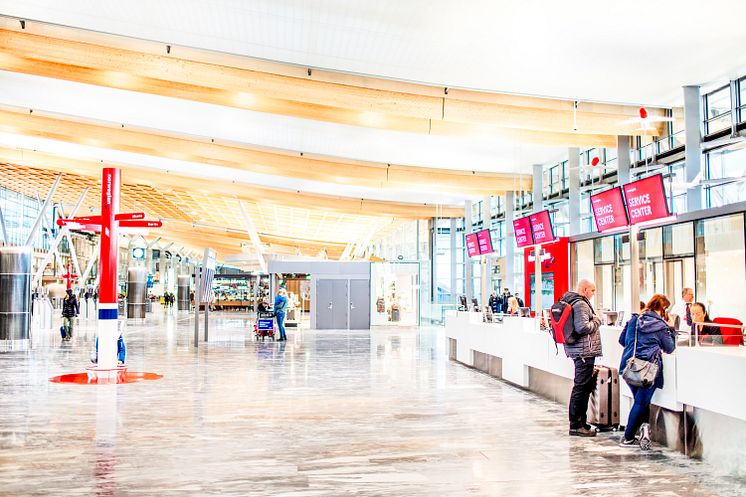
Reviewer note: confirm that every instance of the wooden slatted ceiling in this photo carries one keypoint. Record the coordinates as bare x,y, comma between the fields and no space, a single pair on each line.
345,99
256,160
283,229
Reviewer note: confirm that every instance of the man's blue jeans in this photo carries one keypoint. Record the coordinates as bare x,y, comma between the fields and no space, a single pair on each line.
281,324
640,412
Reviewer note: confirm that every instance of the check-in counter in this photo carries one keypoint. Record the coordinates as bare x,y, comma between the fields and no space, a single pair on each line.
710,379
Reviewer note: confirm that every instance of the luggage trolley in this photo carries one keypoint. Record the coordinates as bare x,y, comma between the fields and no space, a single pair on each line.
264,325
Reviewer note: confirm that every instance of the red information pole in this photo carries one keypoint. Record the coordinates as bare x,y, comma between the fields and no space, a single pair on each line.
107,306
69,277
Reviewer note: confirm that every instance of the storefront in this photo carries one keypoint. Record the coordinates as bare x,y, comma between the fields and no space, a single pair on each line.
395,293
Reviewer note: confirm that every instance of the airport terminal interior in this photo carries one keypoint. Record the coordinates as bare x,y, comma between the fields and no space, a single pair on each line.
361,248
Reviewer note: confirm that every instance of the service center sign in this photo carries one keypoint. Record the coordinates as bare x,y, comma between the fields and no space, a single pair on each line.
484,241
608,209
541,227
646,200
472,245
522,229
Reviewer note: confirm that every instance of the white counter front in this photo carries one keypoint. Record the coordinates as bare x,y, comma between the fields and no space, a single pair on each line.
709,378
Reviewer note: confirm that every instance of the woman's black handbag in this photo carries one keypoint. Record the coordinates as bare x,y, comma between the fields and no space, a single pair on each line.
638,372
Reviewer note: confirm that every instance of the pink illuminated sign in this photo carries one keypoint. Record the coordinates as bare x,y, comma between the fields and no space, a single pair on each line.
608,210
541,227
472,244
522,229
485,242
646,200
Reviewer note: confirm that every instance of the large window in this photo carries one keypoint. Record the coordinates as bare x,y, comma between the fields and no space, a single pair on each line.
721,266
717,110
726,170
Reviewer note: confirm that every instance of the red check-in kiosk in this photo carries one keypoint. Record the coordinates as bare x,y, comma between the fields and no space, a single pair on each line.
555,272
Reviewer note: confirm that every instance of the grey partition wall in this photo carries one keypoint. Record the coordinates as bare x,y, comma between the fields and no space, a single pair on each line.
15,293
136,292
182,292
340,292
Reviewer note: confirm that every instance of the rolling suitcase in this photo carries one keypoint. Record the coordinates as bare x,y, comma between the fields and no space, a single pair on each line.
603,407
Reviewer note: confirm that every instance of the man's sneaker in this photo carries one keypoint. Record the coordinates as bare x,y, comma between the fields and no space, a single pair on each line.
629,443
645,436
582,432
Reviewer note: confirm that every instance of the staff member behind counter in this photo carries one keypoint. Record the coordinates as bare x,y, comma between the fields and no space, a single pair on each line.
708,335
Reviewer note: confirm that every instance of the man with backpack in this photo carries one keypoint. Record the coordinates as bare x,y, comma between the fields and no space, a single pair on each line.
576,325
70,310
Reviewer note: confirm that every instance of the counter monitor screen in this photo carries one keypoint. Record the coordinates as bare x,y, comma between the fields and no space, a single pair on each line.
522,229
608,210
484,240
472,244
541,227
646,200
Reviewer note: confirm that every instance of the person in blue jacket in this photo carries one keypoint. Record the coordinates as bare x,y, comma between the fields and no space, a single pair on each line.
655,335
281,303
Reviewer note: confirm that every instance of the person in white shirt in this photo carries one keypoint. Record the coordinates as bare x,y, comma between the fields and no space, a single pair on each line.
683,311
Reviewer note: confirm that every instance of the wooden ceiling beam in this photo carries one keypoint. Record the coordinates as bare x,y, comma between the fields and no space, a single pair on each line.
344,99
256,160
164,181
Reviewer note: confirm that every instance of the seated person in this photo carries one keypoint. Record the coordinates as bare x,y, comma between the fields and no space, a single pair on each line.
262,307
513,307
708,335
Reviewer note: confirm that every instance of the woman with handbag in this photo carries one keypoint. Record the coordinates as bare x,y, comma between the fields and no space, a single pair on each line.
645,338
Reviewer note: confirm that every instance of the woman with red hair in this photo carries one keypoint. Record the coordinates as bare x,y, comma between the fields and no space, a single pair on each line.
654,333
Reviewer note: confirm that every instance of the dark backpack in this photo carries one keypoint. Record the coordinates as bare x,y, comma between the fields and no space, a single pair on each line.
563,330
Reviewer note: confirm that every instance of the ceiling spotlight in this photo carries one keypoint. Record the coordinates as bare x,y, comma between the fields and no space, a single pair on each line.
23,23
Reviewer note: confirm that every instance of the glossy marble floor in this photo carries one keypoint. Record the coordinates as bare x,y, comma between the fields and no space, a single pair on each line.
328,413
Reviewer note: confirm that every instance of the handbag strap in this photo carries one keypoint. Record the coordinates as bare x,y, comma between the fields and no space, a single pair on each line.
637,327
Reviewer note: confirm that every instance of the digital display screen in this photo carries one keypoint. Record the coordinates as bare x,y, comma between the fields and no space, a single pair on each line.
646,200
608,209
485,242
541,227
522,230
472,244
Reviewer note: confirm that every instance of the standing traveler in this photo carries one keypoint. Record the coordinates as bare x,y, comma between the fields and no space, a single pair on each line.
653,333
504,301
583,351
281,303
494,302
520,300
70,309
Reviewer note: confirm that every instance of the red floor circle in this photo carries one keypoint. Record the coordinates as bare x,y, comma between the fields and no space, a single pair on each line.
124,377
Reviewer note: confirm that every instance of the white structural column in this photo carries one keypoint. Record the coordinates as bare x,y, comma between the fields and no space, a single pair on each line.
509,276
623,159
573,183
693,133
485,265
468,267
538,207
454,261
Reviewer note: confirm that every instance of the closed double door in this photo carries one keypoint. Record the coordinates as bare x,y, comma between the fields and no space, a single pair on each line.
342,304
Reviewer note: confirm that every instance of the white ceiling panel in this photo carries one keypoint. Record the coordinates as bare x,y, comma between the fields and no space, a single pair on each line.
634,51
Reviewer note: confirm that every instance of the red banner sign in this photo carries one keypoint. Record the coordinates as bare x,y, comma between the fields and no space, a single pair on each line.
140,224
646,200
472,244
541,227
608,210
522,229
484,240
129,216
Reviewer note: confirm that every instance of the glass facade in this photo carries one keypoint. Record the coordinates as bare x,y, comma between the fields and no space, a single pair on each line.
20,213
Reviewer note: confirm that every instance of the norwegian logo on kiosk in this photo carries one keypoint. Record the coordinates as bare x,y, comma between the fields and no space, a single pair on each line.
541,227
522,229
608,209
472,245
485,242
646,200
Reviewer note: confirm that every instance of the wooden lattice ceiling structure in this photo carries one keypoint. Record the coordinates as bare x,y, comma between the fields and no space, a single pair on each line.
196,211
